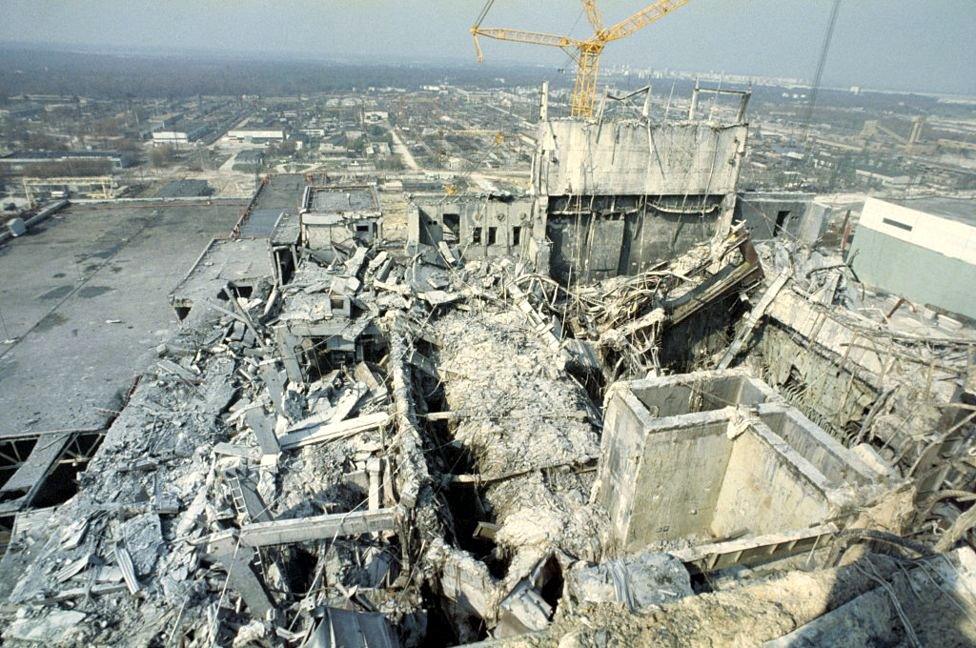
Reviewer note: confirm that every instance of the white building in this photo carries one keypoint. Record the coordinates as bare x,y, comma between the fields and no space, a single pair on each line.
256,135
922,249
170,138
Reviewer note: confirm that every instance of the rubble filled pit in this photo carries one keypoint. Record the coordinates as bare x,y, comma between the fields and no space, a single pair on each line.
514,441
523,425
703,475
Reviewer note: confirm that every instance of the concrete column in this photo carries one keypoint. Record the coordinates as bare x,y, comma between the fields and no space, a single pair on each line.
743,103
544,102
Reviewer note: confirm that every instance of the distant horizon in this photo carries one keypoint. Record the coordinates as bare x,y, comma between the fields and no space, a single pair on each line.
447,62
873,45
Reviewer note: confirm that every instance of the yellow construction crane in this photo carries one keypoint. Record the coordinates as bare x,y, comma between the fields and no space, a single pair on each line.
587,52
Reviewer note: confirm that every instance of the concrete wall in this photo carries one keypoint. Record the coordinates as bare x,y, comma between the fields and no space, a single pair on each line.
621,454
320,233
799,216
632,158
622,195
678,483
710,467
481,228
605,236
916,273
700,392
763,492
692,479
835,373
816,446
830,394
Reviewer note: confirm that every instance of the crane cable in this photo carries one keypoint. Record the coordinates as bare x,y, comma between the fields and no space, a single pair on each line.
484,12
812,104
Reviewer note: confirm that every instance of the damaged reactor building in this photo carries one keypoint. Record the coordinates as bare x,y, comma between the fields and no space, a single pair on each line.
619,409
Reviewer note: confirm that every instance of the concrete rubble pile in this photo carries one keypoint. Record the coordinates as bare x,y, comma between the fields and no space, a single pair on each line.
208,500
392,446
904,379
622,323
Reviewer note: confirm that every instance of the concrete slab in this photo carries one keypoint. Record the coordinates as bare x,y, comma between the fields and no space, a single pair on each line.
283,193
241,262
84,299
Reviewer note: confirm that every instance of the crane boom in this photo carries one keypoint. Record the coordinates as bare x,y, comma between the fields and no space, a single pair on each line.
586,52
650,14
520,36
593,15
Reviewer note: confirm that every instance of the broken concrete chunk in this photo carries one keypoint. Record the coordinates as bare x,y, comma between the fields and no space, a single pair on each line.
143,539
524,610
74,533
52,628
325,433
250,634
274,379
636,581
72,568
347,403
178,370
231,450
439,297
260,424
293,404
128,569
262,534
241,577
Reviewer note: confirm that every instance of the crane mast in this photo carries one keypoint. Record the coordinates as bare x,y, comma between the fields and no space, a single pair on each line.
586,52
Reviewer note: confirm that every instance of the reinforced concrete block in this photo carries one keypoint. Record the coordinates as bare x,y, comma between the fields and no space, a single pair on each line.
717,456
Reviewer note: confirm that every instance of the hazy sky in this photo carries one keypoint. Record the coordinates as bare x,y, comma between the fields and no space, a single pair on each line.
903,44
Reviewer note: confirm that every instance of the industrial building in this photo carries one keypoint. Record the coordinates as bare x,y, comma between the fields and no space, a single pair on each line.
922,249
255,135
63,163
486,422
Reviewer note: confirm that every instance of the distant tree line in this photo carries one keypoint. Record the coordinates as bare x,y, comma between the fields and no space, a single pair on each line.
104,76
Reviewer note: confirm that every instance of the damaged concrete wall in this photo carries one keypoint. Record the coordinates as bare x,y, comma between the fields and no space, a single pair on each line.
708,470
762,492
771,214
596,237
863,388
484,227
635,158
339,214
678,483
620,195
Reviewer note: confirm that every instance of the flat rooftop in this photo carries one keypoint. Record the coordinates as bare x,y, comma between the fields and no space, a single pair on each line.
956,209
84,300
344,199
281,192
260,223
238,261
